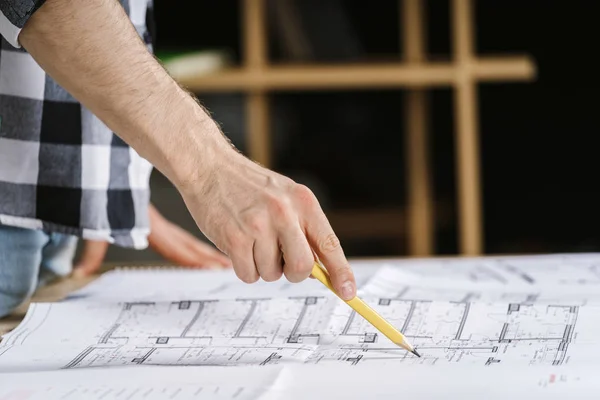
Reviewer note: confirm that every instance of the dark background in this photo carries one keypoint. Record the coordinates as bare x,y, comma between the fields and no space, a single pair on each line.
539,139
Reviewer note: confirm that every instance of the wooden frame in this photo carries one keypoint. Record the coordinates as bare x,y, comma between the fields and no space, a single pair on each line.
257,78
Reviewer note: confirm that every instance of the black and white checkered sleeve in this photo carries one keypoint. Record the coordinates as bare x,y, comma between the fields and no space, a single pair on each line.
13,16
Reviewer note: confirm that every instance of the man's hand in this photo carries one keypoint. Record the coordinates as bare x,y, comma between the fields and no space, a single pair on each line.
265,222
268,224
167,239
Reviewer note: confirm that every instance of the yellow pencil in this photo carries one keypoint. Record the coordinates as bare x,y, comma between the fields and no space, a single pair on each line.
321,274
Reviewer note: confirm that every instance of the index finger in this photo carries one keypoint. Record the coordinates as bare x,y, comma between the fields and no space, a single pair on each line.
328,249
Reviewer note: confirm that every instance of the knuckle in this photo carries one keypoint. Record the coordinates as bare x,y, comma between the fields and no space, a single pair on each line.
235,239
304,195
279,207
343,273
258,224
329,244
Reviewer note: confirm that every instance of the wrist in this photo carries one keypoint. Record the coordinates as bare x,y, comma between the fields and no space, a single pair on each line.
180,138
202,152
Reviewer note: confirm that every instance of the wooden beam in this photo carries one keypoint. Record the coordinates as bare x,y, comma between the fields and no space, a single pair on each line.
420,199
365,76
502,69
255,33
258,136
413,30
462,29
416,112
467,138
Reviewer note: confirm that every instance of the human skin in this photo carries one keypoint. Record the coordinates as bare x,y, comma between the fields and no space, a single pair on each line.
266,223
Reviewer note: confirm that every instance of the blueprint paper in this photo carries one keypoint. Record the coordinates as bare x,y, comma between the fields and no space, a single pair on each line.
397,283
156,284
198,332
408,382
300,382
531,321
154,383
299,330
581,270
521,274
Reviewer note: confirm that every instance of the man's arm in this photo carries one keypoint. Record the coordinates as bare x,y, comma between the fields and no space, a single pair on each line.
265,222
93,51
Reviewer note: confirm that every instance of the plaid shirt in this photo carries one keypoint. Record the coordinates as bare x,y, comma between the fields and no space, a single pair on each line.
61,169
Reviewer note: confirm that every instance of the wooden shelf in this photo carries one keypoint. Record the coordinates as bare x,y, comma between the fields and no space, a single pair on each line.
361,76
414,71
507,68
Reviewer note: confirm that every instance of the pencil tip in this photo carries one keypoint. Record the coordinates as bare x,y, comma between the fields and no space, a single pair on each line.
416,353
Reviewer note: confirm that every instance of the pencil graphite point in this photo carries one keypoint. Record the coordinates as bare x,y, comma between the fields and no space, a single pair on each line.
416,353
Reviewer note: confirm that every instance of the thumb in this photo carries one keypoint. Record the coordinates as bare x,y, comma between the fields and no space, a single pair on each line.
91,258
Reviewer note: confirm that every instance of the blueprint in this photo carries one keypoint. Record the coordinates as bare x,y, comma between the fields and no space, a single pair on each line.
581,270
299,382
305,330
155,284
156,383
536,315
393,282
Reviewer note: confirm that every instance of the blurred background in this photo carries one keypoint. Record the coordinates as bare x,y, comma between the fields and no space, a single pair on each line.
537,131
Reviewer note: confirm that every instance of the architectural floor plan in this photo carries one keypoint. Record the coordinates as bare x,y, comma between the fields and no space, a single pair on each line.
299,329
534,315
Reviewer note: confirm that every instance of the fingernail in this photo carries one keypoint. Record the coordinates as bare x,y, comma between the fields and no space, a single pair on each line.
348,291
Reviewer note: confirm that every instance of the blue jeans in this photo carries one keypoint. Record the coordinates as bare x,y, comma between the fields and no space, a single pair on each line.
29,259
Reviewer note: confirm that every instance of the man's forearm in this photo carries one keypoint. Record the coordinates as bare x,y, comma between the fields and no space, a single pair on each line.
92,50
266,223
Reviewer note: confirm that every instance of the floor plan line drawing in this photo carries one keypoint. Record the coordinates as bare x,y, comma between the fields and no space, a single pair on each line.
140,360
243,327
531,298
294,337
450,338
272,357
463,320
129,305
521,274
80,357
109,333
25,329
551,326
349,323
238,333
488,272
193,320
408,316
483,323
138,355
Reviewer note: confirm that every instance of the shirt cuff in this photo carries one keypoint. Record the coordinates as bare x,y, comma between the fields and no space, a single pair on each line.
9,31
13,16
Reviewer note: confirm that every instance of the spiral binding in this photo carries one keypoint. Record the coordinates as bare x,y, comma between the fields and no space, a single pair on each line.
156,268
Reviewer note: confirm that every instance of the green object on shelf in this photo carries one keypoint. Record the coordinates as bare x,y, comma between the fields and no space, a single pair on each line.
189,63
